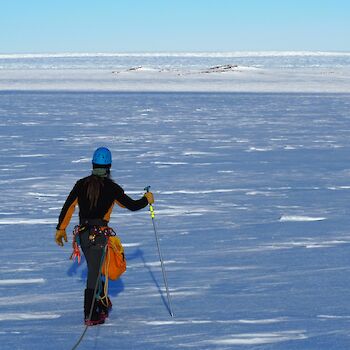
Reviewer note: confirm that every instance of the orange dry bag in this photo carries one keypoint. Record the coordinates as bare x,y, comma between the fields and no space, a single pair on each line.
114,263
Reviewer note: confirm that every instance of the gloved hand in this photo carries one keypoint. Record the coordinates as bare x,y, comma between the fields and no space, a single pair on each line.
150,197
60,235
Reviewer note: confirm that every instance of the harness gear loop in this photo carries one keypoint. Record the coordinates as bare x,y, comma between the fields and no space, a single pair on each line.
94,231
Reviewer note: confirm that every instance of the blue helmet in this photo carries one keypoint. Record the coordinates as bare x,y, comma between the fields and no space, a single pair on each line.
102,156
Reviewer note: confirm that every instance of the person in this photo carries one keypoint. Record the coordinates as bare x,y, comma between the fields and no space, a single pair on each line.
95,196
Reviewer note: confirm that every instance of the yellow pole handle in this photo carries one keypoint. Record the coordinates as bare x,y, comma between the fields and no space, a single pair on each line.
151,211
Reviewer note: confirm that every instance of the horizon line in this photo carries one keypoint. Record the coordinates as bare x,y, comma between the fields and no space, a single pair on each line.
223,53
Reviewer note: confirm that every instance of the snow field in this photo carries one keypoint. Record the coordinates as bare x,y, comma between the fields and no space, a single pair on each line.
251,207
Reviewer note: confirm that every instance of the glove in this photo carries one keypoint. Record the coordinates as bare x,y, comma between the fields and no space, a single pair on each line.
60,235
150,197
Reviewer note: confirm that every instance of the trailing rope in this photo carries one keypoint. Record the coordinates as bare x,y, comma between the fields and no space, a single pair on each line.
104,299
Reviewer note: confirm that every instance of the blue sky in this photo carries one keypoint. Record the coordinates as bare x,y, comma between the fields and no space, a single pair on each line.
173,25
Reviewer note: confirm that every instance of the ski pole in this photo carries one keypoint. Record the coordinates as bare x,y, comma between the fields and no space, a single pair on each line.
151,210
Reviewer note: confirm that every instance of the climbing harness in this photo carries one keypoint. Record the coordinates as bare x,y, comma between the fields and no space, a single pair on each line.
93,233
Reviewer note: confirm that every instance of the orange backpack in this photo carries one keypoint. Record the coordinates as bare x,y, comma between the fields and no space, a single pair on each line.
114,263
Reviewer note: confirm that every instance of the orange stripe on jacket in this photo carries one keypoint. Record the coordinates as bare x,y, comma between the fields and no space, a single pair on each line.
107,216
68,215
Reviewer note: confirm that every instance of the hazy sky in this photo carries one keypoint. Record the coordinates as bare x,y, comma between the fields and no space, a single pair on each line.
173,25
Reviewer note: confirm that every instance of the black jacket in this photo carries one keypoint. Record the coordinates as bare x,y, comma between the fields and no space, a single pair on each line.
111,193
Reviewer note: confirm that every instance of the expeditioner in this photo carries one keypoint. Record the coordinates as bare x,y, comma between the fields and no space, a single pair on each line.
96,196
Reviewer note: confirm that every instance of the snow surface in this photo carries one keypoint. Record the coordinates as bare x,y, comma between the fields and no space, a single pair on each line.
251,207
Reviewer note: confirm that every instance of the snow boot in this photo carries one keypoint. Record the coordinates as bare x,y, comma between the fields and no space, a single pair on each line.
90,302
104,307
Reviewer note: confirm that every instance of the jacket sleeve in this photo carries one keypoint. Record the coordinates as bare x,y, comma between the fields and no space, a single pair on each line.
68,209
125,201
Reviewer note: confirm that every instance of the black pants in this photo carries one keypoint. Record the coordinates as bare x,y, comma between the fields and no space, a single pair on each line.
93,250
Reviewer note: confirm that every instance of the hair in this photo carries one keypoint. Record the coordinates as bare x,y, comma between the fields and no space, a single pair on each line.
94,185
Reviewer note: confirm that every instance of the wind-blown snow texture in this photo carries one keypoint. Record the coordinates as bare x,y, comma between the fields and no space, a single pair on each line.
251,208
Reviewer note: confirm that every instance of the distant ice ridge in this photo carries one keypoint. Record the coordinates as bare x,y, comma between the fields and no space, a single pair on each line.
241,71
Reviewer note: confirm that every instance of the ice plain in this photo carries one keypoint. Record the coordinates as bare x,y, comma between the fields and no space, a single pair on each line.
251,207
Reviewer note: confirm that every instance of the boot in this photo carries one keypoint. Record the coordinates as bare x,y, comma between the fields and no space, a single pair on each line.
89,301
104,307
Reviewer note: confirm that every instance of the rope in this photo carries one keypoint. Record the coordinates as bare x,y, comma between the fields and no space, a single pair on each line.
104,299
92,304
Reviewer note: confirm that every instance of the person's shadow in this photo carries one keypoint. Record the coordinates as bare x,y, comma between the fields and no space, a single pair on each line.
116,287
